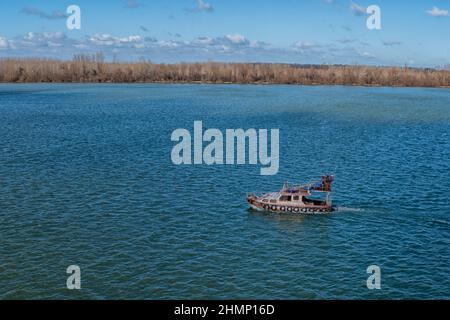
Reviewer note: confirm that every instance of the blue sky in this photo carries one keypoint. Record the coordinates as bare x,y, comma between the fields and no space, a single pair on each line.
416,33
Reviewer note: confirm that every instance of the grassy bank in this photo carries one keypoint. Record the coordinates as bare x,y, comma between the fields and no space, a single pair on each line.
94,69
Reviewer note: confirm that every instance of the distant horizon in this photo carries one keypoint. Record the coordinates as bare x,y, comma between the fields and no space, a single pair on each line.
110,61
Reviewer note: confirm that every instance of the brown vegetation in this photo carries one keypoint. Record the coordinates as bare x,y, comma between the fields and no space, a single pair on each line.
93,69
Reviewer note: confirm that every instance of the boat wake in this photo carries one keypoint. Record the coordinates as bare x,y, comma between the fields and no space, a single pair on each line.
347,209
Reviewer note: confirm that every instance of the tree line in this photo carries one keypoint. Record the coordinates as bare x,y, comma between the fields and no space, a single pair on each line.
93,68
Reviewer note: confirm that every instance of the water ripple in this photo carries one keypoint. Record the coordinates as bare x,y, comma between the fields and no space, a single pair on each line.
86,179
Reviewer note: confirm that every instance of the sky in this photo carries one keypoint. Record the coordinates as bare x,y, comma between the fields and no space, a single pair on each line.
414,33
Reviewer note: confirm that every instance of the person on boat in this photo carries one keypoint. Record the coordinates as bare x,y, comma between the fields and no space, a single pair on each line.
326,183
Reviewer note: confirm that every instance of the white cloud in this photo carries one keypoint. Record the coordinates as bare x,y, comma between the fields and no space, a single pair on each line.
43,39
231,47
357,9
4,43
38,44
169,44
391,43
232,44
347,40
368,55
41,14
237,39
436,12
300,45
109,40
204,6
133,4
204,41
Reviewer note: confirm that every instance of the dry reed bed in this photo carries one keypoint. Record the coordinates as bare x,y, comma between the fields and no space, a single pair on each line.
94,69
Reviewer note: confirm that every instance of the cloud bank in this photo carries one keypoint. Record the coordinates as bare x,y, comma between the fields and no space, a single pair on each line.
232,47
436,12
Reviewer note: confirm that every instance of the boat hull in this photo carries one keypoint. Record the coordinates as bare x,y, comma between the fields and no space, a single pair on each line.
258,205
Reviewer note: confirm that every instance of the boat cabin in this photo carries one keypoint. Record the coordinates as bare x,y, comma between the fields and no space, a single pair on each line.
299,195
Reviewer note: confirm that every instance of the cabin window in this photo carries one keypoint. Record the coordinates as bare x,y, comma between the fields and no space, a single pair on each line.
296,198
265,200
286,198
273,201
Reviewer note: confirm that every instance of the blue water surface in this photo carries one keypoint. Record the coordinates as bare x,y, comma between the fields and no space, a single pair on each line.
86,179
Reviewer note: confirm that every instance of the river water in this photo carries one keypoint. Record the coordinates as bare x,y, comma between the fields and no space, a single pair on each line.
86,179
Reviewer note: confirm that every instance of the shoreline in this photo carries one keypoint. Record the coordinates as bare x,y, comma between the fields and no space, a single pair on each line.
230,84
92,69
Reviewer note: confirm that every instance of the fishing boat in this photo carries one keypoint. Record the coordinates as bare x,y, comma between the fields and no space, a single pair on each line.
312,198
